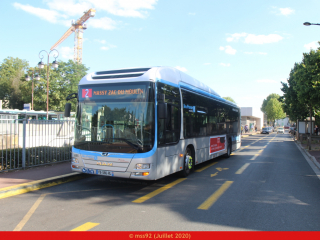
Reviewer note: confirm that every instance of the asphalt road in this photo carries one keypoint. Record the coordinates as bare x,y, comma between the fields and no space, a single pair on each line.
266,186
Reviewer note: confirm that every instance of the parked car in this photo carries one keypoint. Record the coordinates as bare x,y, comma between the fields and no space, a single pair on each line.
280,130
266,130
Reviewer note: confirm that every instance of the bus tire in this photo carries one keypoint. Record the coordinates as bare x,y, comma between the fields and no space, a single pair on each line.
188,163
229,149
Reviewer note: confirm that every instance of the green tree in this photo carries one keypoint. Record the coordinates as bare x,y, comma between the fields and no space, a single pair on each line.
308,84
12,73
274,110
62,82
291,105
230,99
265,101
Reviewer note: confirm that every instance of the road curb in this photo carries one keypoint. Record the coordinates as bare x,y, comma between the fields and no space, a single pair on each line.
39,184
310,159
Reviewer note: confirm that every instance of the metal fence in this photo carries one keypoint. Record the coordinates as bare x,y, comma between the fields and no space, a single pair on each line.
29,143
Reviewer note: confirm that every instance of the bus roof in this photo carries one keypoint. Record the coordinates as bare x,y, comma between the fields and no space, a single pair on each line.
170,75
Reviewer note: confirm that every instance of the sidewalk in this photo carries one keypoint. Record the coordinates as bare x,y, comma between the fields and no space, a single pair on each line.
313,154
22,181
249,134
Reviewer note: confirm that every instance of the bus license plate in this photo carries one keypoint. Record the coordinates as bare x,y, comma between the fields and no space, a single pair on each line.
105,173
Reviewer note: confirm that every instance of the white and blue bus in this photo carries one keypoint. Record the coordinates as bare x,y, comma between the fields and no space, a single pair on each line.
147,123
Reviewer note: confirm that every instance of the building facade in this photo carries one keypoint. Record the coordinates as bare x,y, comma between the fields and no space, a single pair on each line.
252,118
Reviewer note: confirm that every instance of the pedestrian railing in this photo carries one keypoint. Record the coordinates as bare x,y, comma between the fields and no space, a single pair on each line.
30,143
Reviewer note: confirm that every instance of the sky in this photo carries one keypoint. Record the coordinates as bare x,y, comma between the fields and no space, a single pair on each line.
241,49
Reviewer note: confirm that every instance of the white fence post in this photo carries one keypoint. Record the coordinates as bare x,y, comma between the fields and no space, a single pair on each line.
24,143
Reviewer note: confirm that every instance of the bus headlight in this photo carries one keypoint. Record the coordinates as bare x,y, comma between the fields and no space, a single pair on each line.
75,160
143,166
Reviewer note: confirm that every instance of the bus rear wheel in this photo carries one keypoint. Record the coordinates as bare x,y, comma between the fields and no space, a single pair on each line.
187,164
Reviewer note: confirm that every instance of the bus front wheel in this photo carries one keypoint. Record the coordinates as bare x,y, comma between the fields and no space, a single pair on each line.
187,164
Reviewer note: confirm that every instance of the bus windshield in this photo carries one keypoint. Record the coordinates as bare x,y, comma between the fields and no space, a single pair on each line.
116,118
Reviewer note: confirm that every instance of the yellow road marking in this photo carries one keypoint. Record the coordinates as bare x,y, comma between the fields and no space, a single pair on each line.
242,168
36,185
156,192
29,214
215,174
254,157
85,227
201,169
215,196
220,169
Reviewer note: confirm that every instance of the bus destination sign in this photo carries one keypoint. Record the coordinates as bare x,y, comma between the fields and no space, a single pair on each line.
113,92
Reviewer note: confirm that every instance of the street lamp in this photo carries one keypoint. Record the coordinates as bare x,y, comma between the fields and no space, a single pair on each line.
309,24
34,76
54,65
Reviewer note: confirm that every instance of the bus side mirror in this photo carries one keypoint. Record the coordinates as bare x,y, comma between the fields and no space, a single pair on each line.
67,110
162,110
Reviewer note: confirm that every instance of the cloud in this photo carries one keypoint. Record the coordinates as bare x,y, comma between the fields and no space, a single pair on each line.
66,52
192,14
103,23
236,36
286,11
62,11
48,15
69,7
283,11
254,39
225,64
107,47
228,50
266,81
262,39
313,45
182,69
125,8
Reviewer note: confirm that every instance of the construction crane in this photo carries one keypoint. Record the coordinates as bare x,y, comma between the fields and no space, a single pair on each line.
77,27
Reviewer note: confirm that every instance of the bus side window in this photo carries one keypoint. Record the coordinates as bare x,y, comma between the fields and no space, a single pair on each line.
173,124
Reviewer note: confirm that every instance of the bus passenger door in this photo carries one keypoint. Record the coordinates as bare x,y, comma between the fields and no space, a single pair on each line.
168,138
169,116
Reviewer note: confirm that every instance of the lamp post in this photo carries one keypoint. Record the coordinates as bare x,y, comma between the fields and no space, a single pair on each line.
309,24
34,76
54,65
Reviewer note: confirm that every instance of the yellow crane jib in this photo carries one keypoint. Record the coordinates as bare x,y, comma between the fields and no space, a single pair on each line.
77,27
